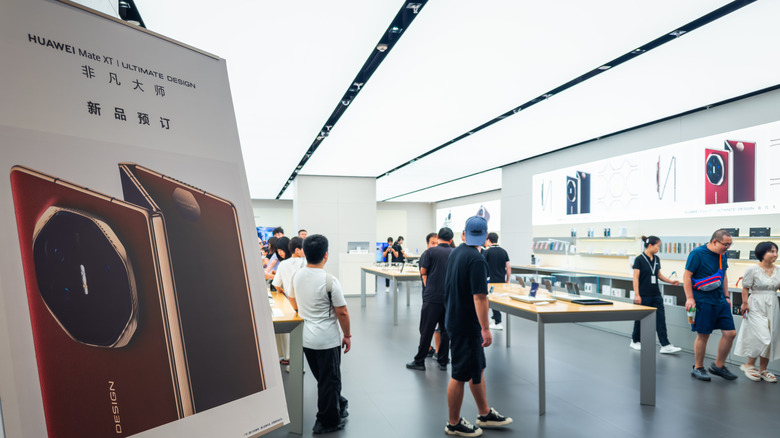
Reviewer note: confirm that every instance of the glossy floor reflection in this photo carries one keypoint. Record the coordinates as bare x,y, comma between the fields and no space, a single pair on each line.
592,388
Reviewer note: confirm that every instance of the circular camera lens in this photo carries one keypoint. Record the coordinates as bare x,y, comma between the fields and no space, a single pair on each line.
571,191
84,277
715,169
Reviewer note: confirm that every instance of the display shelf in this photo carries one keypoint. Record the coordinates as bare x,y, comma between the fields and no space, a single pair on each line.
598,254
624,239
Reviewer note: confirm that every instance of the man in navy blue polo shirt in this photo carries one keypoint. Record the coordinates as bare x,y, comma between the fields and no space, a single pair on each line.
707,291
468,324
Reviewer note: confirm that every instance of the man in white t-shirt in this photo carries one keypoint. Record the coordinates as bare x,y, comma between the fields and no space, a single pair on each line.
283,280
318,298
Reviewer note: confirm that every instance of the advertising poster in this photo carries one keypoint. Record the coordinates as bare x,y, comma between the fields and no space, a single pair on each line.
728,174
131,300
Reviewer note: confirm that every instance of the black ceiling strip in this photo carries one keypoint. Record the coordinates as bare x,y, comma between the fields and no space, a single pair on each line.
389,38
623,131
687,28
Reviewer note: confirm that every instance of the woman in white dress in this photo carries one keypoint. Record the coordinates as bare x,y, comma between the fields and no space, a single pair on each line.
759,334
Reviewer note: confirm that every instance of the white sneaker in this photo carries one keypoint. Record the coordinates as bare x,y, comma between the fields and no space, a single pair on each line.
669,349
498,326
635,345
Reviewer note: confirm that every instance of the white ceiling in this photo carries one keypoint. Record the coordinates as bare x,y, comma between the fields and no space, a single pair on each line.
458,65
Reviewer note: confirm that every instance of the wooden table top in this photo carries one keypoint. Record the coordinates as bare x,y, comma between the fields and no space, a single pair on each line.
501,293
409,272
282,303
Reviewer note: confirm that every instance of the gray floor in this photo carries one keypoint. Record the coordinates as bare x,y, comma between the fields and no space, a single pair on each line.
591,386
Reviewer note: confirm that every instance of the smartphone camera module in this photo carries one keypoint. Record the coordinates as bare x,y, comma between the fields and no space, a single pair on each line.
715,166
85,278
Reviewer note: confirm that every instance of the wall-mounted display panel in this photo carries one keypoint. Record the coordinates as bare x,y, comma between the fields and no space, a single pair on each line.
728,174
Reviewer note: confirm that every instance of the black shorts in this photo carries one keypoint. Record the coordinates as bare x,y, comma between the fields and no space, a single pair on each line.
468,358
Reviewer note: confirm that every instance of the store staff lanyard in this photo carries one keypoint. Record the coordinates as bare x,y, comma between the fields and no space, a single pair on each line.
653,266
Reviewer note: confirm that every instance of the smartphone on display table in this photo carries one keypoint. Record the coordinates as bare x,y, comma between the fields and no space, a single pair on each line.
534,289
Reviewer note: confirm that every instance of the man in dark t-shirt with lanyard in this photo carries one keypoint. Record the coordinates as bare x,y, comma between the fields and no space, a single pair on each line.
707,291
467,323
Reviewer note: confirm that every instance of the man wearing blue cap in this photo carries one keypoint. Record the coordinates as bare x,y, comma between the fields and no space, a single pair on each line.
467,322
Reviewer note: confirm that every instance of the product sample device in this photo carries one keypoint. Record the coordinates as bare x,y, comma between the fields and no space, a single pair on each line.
716,176
742,168
534,289
212,287
106,356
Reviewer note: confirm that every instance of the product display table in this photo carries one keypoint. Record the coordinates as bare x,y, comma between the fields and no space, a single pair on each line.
395,277
286,320
561,311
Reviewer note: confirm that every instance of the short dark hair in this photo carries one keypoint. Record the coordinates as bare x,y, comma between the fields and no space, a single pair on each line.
389,240
278,230
762,248
720,234
283,244
445,234
302,231
429,237
399,238
295,243
492,237
314,248
651,240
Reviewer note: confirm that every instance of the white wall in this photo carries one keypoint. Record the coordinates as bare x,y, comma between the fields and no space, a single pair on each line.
343,209
413,220
275,213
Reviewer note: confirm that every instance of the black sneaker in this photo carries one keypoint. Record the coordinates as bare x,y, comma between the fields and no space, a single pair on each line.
443,367
344,405
463,428
431,351
493,419
700,374
722,372
319,428
416,366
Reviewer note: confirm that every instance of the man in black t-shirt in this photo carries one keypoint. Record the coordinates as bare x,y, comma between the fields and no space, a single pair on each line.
398,251
467,323
432,268
499,270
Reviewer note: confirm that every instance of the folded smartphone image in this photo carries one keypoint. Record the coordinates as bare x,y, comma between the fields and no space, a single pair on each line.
106,357
716,176
742,166
572,195
584,179
211,283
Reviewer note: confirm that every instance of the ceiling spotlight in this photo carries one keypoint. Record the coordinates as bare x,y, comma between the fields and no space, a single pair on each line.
346,101
415,7
605,67
547,96
637,51
677,33
355,87
324,133
381,47
395,30
516,110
